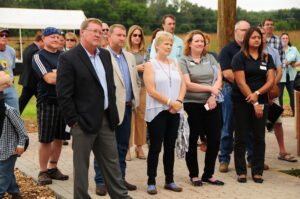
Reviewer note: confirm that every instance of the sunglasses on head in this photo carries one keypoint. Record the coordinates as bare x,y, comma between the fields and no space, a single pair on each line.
70,39
105,30
137,35
3,35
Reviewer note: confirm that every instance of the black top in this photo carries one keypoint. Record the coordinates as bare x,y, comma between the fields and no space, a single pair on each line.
44,62
255,74
226,55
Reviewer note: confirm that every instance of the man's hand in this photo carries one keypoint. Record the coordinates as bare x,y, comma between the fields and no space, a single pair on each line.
19,151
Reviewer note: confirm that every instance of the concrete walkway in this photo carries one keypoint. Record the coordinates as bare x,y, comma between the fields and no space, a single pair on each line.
276,185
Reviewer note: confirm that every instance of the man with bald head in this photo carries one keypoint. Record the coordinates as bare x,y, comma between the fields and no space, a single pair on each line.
225,57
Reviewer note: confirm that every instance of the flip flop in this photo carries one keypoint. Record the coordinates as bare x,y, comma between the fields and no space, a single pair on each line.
287,157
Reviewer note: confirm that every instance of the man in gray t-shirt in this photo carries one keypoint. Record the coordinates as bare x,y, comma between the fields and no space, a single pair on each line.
7,60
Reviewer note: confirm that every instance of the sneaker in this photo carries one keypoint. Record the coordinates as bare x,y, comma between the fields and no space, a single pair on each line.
101,190
223,167
44,178
56,174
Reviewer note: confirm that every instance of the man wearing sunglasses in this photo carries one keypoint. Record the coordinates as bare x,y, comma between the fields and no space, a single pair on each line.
7,60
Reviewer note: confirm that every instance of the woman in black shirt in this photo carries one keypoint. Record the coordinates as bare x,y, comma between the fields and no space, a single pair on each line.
254,77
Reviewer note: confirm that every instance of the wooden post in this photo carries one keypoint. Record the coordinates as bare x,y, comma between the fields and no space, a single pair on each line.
297,119
226,21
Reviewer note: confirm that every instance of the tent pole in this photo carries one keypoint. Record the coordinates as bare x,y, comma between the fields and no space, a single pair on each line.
21,45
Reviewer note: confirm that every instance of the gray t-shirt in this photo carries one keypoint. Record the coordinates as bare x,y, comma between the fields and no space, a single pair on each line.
7,60
140,59
200,73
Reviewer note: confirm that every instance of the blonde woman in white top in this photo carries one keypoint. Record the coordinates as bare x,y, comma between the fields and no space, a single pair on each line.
165,91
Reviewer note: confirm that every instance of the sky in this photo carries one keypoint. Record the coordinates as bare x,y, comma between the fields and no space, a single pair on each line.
253,5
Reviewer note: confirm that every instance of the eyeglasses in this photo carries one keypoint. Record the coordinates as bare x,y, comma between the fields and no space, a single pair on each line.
70,39
95,31
105,30
4,35
137,35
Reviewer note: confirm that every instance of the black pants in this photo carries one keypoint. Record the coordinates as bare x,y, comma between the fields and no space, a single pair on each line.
209,122
26,95
162,129
245,120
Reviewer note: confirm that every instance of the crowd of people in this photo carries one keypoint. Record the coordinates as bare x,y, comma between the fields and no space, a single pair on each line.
110,91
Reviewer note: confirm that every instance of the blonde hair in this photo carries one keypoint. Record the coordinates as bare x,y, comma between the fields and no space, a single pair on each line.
111,28
71,35
142,48
87,21
162,36
189,39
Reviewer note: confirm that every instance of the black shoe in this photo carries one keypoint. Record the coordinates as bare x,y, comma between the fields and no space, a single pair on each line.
242,180
130,187
65,142
101,190
257,180
196,183
216,182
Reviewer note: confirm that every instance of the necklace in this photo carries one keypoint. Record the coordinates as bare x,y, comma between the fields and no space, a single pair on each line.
168,75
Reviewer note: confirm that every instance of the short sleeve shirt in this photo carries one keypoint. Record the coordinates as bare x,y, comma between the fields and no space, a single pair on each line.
200,73
255,74
226,55
7,60
44,62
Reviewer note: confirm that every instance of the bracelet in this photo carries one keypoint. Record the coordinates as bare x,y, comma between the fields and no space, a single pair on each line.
178,100
255,104
257,93
168,102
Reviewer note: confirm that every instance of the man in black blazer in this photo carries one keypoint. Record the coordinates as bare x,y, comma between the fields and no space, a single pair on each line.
28,78
86,95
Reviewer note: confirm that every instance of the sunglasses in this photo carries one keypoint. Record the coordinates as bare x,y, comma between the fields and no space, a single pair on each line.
137,35
4,35
70,39
105,30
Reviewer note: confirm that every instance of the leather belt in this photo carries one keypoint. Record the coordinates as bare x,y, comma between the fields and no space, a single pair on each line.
128,103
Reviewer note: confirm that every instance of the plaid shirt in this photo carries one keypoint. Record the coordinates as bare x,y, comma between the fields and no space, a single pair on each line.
13,133
275,42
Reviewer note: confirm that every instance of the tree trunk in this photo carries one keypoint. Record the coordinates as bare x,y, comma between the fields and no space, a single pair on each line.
226,21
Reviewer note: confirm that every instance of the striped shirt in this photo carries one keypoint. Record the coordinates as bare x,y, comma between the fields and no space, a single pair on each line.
13,133
275,42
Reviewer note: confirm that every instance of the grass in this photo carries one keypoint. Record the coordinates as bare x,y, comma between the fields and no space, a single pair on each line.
292,172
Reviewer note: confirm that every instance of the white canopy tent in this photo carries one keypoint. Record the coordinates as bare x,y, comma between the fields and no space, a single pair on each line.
21,18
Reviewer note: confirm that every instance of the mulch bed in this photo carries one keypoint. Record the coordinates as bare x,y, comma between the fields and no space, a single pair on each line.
30,189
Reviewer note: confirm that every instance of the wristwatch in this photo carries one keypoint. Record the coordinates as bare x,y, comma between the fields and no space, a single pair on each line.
257,93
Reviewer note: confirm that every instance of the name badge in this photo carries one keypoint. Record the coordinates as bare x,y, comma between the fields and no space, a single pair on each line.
263,68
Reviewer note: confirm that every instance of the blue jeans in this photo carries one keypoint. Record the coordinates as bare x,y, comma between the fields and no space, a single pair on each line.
123,137
226,144
11,97
7,177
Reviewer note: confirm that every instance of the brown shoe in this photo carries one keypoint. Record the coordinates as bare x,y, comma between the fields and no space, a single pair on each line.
101,190
223,167
17,196
173,187
44,178
266,167
129,186
57,175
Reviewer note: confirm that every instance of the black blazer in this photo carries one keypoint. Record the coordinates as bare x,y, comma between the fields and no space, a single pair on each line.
79,92
27,77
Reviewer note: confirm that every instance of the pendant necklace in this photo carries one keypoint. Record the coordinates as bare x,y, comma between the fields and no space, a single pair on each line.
168,75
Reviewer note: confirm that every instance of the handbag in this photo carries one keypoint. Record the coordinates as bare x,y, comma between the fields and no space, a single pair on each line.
274,92
297,82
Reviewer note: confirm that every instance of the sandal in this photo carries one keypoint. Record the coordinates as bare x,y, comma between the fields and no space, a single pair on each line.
287,157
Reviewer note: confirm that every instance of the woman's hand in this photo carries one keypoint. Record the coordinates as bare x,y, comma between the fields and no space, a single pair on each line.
252,98
215,90
211,102
140,67
175,106
259,110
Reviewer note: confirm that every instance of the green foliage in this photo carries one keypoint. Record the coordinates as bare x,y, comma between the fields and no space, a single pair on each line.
148,13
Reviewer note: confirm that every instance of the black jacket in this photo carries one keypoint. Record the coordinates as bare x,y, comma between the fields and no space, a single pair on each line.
79,92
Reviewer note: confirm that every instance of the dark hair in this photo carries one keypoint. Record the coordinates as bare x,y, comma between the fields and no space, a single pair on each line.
245,46
264,21
168,16
284,33
38,37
